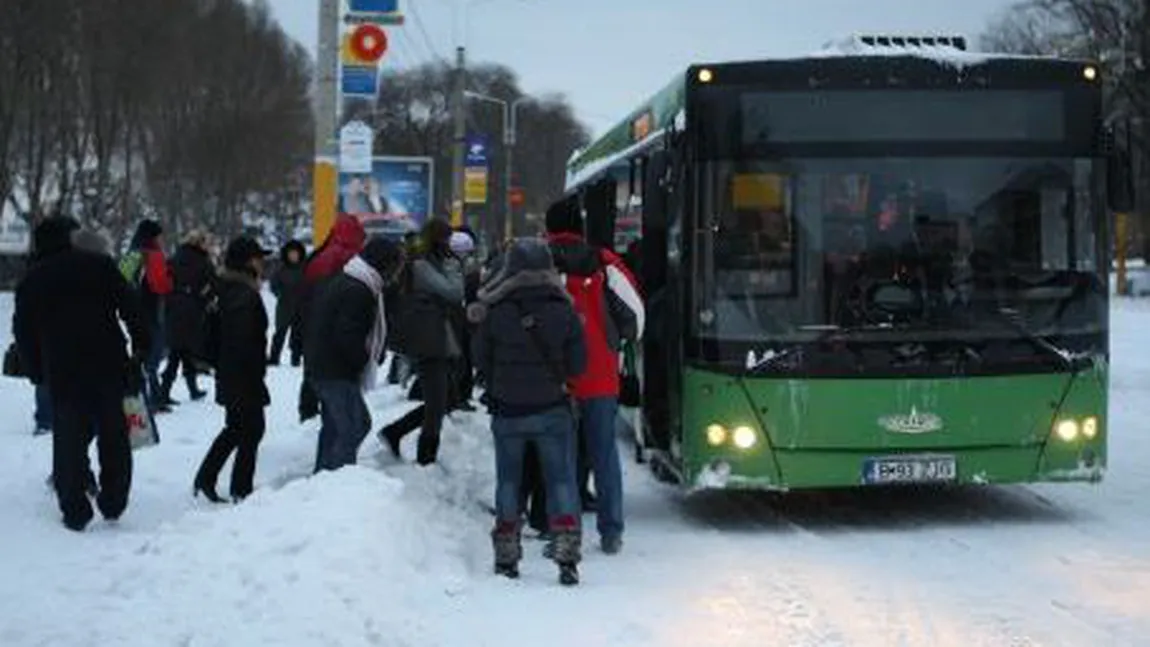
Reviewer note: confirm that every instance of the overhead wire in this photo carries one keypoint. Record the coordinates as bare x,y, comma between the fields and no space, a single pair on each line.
417,18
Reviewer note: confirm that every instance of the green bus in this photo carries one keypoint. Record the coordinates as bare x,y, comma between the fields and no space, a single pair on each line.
883,264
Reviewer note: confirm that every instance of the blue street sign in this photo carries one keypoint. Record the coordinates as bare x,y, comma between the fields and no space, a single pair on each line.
360,80
477,150
375,6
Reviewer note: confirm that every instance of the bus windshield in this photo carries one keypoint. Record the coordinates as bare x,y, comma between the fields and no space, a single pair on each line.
786,249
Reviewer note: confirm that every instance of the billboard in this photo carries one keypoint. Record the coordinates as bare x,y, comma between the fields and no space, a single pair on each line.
475,170
397,195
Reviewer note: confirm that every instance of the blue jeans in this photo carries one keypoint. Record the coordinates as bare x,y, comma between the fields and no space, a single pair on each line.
553,433
597,415
43,413
346,422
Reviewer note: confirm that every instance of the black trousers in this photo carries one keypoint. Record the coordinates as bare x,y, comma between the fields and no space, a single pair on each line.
177,358
295,344
74,421
435,384
243,431
532,494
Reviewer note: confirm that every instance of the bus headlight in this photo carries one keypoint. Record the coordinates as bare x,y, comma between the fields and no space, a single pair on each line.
1090,73
1090,427
744,437
1067,430
716,435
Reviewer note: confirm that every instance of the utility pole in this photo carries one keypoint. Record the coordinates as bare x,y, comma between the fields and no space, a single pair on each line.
460,117
509,141
325,175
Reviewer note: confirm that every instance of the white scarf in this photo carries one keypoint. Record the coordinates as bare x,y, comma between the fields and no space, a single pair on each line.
358,269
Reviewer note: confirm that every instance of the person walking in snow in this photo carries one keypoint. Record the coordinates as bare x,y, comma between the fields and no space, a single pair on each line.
529,343
146,270
606,296
344,348
434,293
46,241
194,280
345,240
463,245
286,285
71,310
240,371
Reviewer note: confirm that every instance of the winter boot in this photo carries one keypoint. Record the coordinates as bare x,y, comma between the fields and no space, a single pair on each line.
194,389
209,472
428,448
567,554
508,549
568,574
387,437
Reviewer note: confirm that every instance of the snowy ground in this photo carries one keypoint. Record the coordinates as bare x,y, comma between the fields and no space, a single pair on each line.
390,554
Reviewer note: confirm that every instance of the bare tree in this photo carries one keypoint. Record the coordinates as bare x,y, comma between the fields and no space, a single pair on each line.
412,117
1113,32
183,109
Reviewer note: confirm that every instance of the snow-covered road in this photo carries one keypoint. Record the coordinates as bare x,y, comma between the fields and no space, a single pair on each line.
390,554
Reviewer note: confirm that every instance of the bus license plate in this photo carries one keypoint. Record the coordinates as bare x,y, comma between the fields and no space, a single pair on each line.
910,469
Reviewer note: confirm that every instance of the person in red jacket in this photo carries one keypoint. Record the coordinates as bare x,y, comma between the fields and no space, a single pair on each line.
346,239
146,269
607,299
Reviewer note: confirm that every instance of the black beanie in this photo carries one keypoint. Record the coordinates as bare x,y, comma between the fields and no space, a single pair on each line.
564,218
148,230
383,256
241,251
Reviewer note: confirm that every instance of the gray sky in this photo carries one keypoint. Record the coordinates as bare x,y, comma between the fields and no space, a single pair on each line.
608,55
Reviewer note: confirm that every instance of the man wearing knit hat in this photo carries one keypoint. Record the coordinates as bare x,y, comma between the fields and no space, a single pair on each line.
344,348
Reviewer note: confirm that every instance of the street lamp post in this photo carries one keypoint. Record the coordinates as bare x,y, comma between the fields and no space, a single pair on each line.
510,124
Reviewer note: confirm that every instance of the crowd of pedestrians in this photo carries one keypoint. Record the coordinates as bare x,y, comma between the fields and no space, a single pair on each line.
536,329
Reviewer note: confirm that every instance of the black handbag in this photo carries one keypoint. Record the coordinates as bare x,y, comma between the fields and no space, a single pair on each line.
12,365
630,394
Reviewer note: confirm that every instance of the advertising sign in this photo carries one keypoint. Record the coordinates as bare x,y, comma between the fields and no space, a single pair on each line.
477,151
355,147
475,170
374,6
359,80
394,198
475,185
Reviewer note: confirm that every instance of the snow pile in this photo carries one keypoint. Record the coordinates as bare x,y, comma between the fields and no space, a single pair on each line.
344,558
938,50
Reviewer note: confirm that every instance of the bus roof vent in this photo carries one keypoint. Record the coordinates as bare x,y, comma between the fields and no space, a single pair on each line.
889,43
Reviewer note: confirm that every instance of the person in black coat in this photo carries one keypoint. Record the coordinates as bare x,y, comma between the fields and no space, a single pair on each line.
287,286
240,371
346,338
194,279
529,344
71,309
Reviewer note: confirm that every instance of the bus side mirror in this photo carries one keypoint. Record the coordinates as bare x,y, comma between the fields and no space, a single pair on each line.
1119,177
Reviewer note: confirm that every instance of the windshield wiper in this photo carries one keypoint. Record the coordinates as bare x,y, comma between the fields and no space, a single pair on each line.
771,357
1073,361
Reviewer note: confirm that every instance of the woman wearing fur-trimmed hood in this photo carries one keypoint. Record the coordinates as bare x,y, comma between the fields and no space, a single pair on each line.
529,344
529,267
